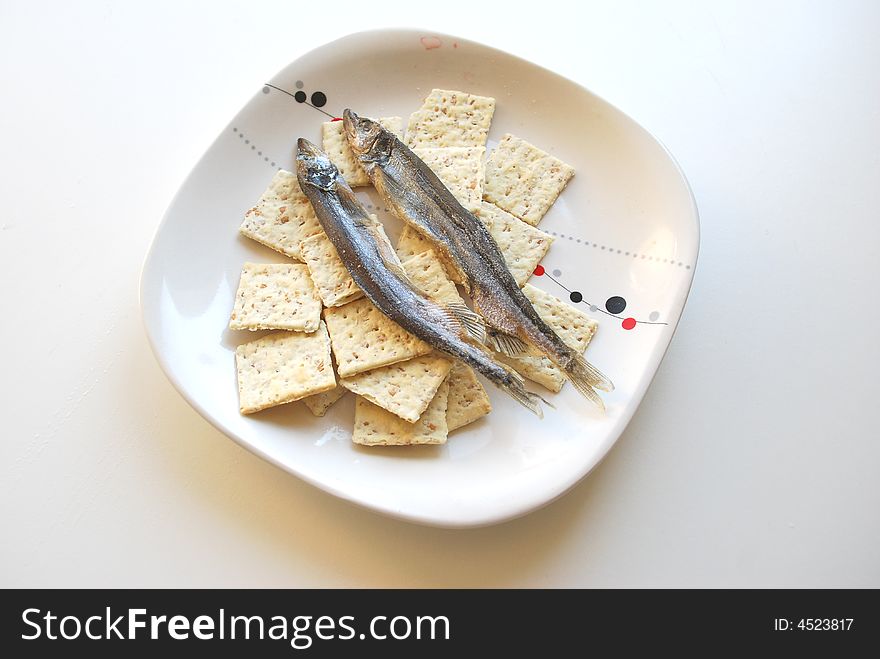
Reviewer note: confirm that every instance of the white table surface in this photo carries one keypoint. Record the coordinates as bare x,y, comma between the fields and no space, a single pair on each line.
753,460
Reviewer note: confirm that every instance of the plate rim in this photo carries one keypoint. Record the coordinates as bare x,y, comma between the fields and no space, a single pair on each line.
431,518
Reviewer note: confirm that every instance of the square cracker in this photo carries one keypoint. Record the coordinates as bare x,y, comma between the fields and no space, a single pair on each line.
276,296
468,400
451,118
318,404
522,245
283,367
374,426
426,271
405,388
573,326
341,155
411,243
523,180
460,169
363,338
282,218
331,277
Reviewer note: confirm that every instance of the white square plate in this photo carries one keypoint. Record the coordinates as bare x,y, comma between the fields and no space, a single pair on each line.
626,229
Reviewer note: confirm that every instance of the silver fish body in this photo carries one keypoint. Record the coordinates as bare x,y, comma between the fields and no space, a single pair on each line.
367,253
420,199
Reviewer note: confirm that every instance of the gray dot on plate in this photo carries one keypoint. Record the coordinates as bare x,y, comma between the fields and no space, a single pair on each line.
235,130
247,141
579,240
300,84
603,246
253,147
594,308
654,315
687,267
265,90
259,153
273,164
557,273
266,159
618,251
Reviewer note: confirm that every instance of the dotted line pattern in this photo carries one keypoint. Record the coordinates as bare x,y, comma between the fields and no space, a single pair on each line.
577,297
611,250
319,99
253,147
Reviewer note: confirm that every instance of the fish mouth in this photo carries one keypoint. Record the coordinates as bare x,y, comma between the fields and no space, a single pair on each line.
360,133
305,149
349,123
313,166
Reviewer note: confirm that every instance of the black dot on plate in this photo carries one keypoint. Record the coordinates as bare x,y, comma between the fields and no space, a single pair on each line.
575,296
615,304
319,99
300,97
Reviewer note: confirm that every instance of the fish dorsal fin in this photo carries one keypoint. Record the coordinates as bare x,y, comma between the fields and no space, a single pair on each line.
468,320
506,344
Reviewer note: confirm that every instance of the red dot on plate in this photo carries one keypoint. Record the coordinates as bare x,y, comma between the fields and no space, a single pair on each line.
539,270
628,323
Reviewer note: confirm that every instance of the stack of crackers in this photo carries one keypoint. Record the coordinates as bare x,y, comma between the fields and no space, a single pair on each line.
332,340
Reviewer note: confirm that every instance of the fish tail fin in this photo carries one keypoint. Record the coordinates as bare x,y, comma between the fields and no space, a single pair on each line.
586,378
584,370
516,389
506,344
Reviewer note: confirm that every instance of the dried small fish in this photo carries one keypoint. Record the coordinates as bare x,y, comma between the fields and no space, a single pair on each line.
419,198
366,251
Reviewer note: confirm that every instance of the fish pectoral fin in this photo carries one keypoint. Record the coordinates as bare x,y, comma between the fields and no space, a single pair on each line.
506,344
386,251
469,320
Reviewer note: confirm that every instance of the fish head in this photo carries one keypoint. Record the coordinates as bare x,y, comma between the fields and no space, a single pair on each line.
313,166
365,136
